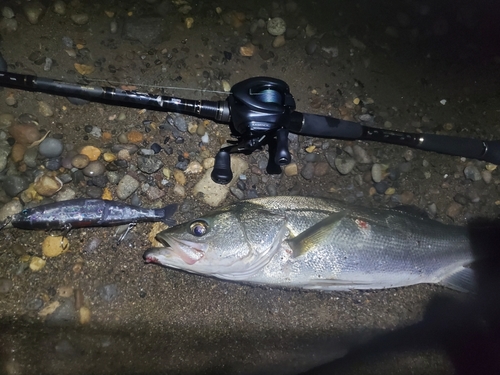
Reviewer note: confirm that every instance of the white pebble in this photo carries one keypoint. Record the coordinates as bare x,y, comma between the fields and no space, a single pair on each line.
113,27
7,12
205,138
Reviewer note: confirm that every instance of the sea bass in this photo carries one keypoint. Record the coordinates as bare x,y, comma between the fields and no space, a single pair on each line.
316,243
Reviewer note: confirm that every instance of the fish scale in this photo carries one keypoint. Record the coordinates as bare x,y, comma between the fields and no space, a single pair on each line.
317,243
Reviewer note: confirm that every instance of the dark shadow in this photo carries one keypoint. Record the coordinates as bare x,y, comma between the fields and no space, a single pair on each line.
465,327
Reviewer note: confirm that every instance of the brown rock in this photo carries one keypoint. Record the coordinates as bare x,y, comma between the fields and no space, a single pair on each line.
247,50
17,152
321,168
134,136
24,133
47,186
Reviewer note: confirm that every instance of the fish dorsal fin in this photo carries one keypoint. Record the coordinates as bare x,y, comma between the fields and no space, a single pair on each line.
308,239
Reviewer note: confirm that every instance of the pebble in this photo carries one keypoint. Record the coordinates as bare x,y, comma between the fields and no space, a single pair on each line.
7,12
182,165
46,185
271,190
194,167
85,315
91,152
126,187
179,190
377,172
33,11
109,292
34,304
11,100
5,285
279,41
321,169
311,47
80,18
360,155
80,161
37,263
53,164
92,245
4,153
10,208
59,7
65,195
94,192
154,193
486,175
454,210
25,134
276,26
307,172
178,121
205,138
237,192
13,185
94,168
156,148
344,164
63,315
179,177
406,197
54,246
471,172
381,187
149,164
45,109
29,157
50,148
291,170
133,136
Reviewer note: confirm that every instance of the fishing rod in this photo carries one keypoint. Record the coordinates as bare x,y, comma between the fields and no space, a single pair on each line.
259,111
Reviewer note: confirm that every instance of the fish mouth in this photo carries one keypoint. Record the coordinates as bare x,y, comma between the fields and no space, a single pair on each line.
175,251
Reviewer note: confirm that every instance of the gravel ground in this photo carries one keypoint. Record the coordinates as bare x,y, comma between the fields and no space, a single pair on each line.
97,308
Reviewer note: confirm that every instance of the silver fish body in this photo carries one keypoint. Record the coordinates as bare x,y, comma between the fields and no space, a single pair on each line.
318,243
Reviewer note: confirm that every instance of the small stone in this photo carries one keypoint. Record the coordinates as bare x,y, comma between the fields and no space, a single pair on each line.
45,109
276,26
65,194
59,7
237,192
381,187
85,315
33,11
109,157
248,50
134,136
54,246
390,191
377,172
109,292
80,161
471,172
36,263
409,155
10,208
80,18
7,12
208,163
454,210
307,172
179,177
126,187
5,285
194,168
360,155
50,148
91,152
226,86
291,169
201,130
321,169
271,189
65,291
179,190
279,41
47,186
154,193
52,164
93,192
486,175
25,134
406,197
149,164
344,164
94,168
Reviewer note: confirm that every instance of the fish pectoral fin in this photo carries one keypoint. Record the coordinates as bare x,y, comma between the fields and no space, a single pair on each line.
311,237
463,280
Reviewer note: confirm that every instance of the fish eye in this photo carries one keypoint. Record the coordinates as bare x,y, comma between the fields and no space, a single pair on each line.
199,228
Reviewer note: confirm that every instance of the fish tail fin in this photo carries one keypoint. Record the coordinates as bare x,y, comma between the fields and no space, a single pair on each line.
168,212
463,280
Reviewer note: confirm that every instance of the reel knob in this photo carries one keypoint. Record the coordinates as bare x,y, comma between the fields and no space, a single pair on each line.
222,173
